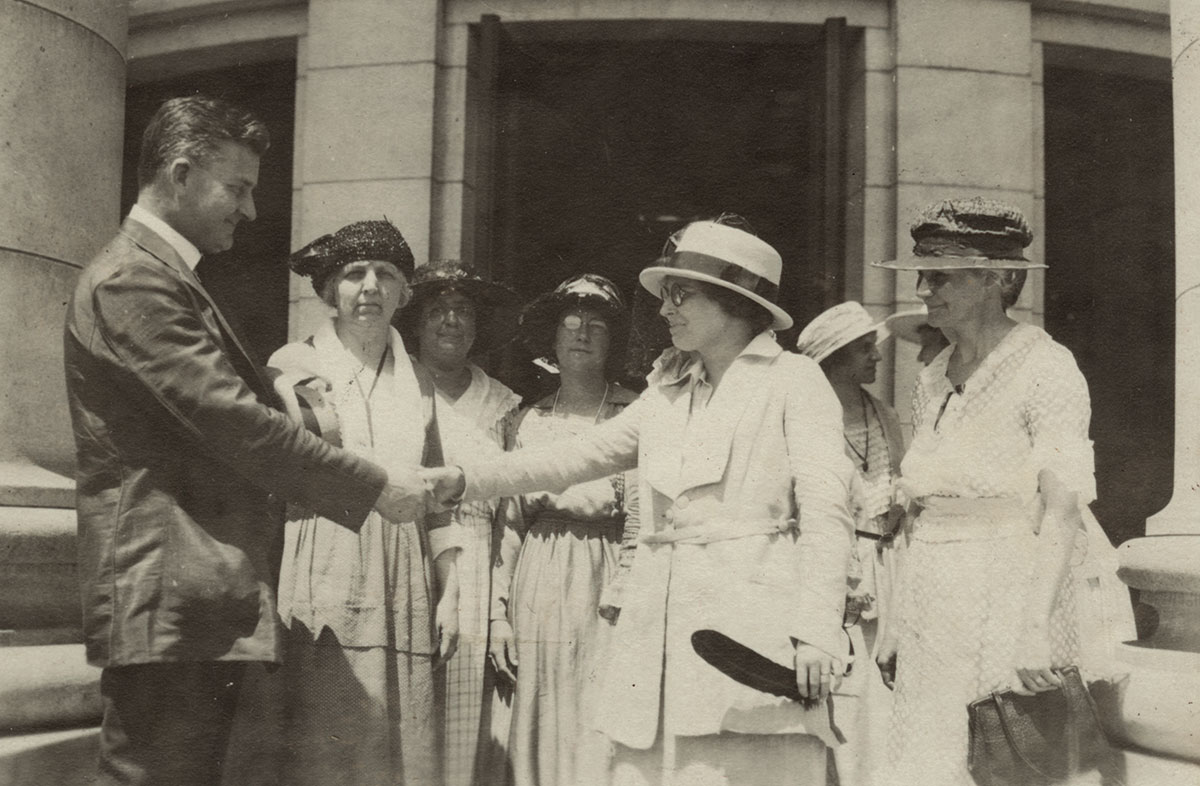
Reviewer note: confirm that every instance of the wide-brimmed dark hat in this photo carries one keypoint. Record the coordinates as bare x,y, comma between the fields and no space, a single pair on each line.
586,290
975,233
378,240
496,304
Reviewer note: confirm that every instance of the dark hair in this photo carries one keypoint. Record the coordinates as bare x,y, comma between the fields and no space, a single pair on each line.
191,127
738,306
1011,284
836,358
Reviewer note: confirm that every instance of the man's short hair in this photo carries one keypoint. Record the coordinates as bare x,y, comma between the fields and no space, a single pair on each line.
192,127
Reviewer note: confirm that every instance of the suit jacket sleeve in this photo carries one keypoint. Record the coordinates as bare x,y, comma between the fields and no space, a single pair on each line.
149,323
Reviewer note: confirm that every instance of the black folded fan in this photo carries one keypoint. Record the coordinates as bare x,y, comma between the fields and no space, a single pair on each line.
748,667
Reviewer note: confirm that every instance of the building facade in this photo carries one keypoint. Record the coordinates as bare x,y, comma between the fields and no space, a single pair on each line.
539,138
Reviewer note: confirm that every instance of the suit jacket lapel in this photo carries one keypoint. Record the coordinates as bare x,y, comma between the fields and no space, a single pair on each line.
153,244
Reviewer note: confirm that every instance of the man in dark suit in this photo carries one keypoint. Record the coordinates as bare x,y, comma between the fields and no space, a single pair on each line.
184,460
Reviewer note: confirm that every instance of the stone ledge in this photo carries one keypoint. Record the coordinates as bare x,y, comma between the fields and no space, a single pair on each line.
1161,563
27,485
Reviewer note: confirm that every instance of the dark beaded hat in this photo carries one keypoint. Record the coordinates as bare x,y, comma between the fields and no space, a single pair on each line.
376,240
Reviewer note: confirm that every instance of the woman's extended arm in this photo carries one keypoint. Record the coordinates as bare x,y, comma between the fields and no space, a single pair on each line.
609,448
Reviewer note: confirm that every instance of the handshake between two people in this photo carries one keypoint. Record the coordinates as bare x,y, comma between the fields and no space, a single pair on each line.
411,494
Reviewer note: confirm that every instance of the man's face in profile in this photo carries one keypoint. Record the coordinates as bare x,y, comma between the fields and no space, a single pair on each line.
217,195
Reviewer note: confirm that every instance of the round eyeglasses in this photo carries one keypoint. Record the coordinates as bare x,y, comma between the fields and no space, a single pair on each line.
576,324
675,293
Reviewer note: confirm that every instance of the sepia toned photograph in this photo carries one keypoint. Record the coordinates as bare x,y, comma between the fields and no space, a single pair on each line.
600,392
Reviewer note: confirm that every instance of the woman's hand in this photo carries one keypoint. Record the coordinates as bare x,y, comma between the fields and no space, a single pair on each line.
814,673
885,659
502,647
1033,661
446,619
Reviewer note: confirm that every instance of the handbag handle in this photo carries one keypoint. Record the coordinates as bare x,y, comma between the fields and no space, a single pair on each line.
1072,737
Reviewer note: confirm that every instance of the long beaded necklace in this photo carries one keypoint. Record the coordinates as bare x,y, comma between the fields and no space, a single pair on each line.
366,397
595,418
864,456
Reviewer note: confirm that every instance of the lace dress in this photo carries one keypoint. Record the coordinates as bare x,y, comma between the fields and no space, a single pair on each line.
973,467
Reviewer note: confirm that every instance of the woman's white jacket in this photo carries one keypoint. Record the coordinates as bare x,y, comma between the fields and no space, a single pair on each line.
744,529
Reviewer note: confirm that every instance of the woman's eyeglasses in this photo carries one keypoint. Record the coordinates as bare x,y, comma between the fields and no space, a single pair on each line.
675,293
441,313
576,324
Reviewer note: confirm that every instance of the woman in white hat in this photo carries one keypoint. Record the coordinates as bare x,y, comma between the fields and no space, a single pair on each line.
988,595
844,341
744,527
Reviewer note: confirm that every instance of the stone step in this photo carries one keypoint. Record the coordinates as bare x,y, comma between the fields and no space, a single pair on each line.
48,686
59,757
38,581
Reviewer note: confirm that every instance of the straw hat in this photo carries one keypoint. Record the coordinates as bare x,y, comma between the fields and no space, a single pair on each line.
976,233
726,257
835,328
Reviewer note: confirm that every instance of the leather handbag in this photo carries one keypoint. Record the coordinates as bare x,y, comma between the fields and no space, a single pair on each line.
1018,740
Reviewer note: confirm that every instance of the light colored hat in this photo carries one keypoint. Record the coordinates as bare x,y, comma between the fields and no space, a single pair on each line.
837,327
906,324
726,257
975,233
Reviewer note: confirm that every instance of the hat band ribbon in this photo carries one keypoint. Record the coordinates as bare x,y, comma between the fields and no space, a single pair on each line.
986,247
725,271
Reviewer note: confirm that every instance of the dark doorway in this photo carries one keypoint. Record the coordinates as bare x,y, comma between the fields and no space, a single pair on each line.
605,145
1110,290
250,282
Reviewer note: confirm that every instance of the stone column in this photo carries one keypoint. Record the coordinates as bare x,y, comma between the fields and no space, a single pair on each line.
965,124
1160,709
62,99
364,126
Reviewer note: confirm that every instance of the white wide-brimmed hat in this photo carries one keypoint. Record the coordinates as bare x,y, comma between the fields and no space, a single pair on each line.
726,257
835,328
907,324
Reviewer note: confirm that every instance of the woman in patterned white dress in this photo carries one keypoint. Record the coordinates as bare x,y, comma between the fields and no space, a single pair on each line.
844,341
456,314
560,552
1001,470
370,613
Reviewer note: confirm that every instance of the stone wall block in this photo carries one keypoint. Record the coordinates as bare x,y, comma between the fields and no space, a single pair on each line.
366,32
984,141
369,123
981,35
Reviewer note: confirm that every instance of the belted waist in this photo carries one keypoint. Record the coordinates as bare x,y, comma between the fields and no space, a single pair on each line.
704,532
945,519
557,518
